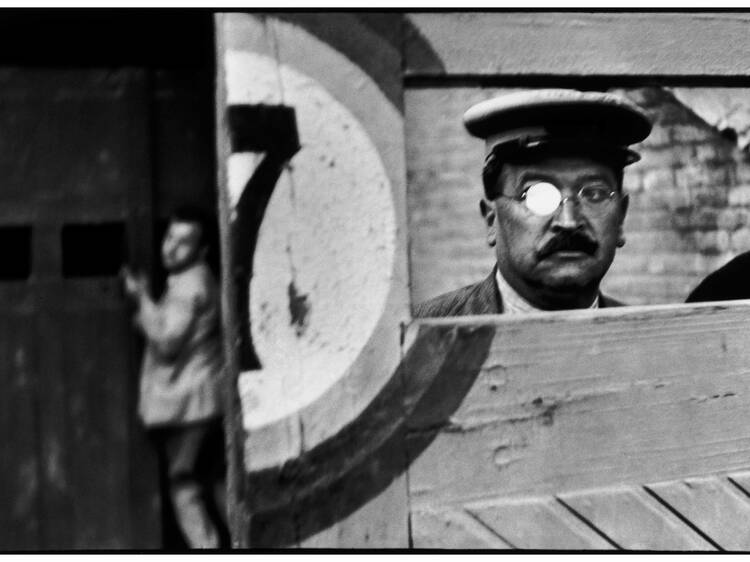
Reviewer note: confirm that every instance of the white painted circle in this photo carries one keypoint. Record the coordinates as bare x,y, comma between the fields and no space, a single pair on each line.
329,238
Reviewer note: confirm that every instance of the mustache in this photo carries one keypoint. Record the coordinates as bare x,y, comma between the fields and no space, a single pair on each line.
575,241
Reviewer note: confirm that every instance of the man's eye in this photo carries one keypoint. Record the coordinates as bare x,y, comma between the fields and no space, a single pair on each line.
595,193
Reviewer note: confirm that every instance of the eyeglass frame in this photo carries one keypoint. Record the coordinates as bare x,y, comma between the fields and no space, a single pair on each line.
521,198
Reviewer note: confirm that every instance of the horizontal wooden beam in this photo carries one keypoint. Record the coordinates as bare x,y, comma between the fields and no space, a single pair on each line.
571,43
576,400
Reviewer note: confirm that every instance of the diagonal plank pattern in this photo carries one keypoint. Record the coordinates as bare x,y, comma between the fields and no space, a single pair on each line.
714,505
634,520
453,529
694,514
538,523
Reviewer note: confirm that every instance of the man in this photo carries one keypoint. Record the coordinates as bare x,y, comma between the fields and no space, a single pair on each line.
554,206
181,392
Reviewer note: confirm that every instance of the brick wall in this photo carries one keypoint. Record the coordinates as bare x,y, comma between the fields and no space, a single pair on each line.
689,209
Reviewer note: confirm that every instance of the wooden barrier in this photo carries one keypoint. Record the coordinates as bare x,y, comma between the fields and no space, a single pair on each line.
617,429
354,426
612,429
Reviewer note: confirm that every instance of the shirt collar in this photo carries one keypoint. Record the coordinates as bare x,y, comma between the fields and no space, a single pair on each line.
513,303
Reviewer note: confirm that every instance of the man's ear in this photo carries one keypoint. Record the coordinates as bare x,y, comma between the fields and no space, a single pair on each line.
487,208
624,202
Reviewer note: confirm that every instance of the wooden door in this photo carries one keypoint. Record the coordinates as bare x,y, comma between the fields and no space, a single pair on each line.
75,205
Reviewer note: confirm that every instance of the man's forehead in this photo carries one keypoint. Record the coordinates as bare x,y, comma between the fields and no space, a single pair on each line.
184,228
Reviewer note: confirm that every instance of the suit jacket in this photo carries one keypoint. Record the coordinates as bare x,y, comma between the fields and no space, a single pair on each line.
727,283
480,298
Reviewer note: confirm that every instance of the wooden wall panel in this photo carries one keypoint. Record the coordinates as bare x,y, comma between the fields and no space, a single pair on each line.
329,286
592,430
78,151
645,44
20,466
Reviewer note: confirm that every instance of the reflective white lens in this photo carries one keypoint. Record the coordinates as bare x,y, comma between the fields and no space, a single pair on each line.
542,198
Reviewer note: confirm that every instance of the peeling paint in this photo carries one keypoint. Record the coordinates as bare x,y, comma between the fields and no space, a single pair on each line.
506,455
299,309
724,109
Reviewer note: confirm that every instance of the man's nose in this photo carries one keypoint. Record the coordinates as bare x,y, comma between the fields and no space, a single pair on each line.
568,215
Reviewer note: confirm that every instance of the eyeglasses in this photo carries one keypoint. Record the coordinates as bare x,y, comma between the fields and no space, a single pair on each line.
543,198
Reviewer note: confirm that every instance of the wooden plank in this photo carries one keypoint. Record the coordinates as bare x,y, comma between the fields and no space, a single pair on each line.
142,527
57,498
183,136
352,141
452,530
619,44
537,523
97,412
19,470
634,520
713,505
577,400
383,521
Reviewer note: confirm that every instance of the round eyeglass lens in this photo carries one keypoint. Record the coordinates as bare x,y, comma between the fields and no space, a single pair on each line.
542,198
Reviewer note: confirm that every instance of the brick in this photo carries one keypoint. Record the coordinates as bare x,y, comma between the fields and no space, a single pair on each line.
729,219
684,155
739,195
632,182
662,241
672,112
681,219
657,178
743,217
689,176
712,242
660,136
675,263
713,154
704,218
742,173
691,133
708,196
741,240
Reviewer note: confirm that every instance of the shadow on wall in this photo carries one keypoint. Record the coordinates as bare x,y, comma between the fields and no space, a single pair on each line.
321,487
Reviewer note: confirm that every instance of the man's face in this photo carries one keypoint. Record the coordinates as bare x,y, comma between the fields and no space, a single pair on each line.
181,246
557,260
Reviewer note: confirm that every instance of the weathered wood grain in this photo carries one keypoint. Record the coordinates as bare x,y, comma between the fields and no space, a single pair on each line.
538,523
634,520
713,505
453,530
20,469
645,44
569,401
319,371
77,150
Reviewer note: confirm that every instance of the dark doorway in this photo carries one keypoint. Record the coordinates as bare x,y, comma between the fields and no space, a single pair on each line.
106,124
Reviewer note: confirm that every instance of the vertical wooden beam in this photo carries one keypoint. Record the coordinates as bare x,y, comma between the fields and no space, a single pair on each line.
238,512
